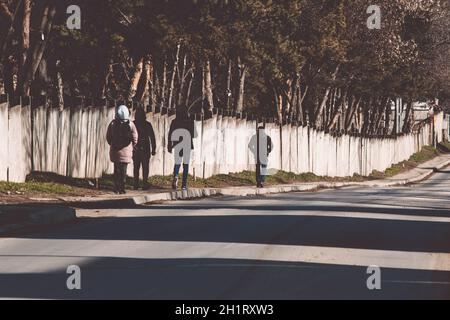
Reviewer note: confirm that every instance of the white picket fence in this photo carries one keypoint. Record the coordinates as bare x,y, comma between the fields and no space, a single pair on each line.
71,142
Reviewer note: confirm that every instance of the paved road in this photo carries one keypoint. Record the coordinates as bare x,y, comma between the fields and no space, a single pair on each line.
290,246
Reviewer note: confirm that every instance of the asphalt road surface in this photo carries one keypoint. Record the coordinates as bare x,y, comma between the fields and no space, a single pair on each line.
289,246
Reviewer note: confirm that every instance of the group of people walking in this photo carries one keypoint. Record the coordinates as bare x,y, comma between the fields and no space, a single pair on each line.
134,142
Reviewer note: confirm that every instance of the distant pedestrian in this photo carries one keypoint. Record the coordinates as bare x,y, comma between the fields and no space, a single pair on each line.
145,147
180,139
122,136
261,146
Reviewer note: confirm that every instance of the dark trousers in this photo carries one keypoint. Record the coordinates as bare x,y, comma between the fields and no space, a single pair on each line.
120,173
141,160
261,173
176,172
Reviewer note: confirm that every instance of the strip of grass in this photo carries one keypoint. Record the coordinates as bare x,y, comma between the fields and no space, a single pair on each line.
35,187
427,153
248,178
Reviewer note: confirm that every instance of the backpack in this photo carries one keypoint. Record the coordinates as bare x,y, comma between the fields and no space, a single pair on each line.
122,135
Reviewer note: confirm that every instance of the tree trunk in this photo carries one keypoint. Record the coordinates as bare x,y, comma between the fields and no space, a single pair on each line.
183,76
228,93
7,33
367,117
408,119
394,129
289,100
381,113
242,68
145,95
157,86
172,81
8,76
373,115
5,12
35,54
203,88
25,36
44,83
191,80
295,100
137,73
279,104
319,111
102,73
337,111
111,88
301,112
164,85
208,87
352,111
60,86
151,82
387,118
359,120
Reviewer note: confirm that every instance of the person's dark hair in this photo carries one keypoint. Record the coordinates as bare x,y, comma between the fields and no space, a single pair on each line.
140,114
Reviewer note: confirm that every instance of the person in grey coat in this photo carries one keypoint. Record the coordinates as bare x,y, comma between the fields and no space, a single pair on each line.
261,146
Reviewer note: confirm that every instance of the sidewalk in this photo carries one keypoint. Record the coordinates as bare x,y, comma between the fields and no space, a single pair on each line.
138,198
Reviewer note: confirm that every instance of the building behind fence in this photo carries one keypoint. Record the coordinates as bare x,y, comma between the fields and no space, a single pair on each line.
71,142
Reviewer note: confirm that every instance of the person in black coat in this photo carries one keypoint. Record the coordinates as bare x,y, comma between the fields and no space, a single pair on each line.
143,150
175,139
261,146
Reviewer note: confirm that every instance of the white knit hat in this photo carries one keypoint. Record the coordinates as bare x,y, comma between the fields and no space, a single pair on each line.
123,113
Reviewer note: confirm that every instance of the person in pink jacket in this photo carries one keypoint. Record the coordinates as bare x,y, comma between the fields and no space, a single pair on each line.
122,136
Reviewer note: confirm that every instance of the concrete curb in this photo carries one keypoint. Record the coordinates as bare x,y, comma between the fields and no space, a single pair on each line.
208,192
14,218
253,191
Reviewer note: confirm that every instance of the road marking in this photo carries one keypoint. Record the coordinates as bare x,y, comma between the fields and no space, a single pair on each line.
211,250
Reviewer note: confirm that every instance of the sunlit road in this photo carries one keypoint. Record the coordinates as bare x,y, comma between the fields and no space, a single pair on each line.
289,246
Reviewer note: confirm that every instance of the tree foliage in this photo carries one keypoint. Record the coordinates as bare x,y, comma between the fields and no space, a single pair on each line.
309,60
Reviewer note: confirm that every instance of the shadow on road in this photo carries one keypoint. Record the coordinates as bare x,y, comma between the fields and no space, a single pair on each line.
263,229
119,278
